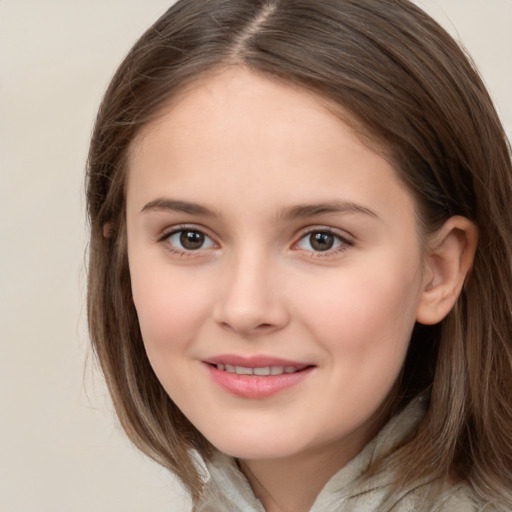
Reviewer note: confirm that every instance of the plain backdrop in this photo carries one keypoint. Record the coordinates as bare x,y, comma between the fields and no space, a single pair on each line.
61,449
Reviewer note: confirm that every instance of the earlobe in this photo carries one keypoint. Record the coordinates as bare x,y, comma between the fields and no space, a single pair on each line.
450,254
109,230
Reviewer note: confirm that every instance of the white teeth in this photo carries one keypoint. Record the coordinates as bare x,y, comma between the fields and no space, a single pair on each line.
240,370
261,372
276,370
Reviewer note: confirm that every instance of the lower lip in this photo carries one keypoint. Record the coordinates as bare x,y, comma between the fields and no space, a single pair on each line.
251,386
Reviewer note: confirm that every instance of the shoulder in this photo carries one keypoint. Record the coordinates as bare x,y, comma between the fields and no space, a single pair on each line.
457,498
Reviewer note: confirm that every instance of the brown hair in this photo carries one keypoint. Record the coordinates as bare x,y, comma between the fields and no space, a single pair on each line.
413,91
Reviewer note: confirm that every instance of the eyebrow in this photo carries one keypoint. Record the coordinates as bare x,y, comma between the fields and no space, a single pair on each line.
163,204
291,212
316,209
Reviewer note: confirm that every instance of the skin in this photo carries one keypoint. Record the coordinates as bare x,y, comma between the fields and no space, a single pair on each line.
251,150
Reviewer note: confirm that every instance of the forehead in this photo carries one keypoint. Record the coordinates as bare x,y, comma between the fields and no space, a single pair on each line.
223,98
238,133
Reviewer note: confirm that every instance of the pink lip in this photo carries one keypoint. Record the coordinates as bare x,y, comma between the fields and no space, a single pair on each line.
252,386
253,361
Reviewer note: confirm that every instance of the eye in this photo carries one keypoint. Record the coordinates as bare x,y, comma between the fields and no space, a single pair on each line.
189,240
321,241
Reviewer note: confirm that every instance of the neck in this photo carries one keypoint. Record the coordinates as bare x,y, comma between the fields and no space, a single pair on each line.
292,484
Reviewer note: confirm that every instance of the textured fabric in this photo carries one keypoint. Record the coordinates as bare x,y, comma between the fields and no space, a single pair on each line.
227,489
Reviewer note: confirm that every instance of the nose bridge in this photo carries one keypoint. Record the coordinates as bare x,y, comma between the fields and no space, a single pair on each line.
250,300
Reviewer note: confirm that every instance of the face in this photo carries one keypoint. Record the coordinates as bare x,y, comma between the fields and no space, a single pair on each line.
276,267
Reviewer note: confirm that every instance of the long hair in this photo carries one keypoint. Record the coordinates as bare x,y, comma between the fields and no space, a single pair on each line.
407,88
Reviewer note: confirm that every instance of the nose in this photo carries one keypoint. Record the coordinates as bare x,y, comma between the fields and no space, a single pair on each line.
251,300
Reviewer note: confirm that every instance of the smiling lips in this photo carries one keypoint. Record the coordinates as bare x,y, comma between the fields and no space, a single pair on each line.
261,371
257,377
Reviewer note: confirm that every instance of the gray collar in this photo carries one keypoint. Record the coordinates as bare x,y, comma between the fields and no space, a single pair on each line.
227,490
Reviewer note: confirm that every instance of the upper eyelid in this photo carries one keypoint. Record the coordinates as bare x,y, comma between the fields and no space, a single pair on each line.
300,234
163,239
170,230
342,234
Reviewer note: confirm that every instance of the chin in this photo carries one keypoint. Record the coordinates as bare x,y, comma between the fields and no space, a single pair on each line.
258,447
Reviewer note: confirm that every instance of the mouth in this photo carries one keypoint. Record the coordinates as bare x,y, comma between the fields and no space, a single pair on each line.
257,377
261,371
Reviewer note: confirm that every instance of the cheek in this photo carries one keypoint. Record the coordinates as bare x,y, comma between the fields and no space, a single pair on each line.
365,317
170,310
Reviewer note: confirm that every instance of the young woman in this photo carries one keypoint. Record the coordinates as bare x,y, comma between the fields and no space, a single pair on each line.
300,282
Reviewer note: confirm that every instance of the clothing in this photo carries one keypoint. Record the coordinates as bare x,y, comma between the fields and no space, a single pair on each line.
227,489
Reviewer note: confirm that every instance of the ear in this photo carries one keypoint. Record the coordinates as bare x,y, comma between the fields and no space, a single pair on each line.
109,230
449,257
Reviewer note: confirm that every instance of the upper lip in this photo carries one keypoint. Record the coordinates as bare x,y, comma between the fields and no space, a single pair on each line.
259,361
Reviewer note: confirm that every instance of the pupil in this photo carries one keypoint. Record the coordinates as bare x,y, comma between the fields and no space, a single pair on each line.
322,241
191,240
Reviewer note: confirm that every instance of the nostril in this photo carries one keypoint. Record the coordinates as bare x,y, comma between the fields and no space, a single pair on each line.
263,327
250,316
226,325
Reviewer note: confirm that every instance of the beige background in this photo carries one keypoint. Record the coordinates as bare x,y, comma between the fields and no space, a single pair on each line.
60,447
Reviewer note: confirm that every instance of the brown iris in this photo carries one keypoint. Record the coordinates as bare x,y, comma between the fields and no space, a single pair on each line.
191,240
321,241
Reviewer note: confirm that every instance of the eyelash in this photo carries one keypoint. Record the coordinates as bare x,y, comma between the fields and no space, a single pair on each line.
165,239
342,242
